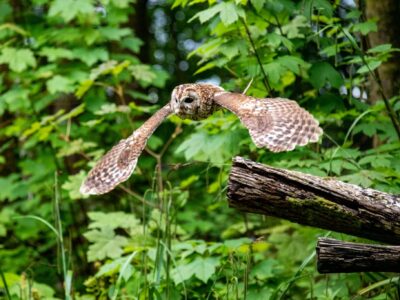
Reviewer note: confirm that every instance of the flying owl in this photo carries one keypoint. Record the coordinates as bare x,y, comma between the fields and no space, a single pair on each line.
275,123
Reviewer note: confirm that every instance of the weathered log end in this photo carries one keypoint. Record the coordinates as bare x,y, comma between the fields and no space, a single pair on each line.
310,200
334,256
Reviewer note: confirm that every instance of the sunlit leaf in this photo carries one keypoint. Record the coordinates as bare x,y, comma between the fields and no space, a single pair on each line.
69,9
18,59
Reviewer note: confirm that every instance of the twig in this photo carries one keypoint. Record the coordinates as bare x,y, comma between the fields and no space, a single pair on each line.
137,196
278,24
266,82
248,86
178,130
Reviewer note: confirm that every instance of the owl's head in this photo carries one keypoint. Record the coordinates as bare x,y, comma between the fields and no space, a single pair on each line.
194,101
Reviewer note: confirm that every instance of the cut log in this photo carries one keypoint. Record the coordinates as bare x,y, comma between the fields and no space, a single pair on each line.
310,200
344,257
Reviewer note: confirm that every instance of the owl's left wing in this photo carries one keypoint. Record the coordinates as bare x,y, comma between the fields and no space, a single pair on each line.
118,164
276,123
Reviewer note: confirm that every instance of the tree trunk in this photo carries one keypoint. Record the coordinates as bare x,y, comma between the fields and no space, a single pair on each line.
140,23
314,201
344,257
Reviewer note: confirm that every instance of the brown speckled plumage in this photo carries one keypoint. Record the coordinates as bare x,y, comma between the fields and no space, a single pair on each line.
277,124
202,103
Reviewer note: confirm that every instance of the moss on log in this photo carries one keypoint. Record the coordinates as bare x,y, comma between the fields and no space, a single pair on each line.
310,200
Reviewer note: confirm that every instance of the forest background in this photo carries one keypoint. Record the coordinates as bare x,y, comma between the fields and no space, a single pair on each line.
77,76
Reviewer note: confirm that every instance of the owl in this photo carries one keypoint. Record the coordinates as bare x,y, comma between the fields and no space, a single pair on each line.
274,123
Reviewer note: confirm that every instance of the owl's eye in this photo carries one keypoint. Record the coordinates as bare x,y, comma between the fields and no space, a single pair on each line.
188,100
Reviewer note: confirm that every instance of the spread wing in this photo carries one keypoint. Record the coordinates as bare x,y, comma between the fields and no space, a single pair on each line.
276,123
118,164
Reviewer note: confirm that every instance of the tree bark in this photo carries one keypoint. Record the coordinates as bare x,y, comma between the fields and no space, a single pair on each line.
344,257
314,201
140,23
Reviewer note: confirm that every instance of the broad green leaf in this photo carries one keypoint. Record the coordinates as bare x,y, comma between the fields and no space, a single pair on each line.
295,27
228,13
53,54
274,71
234,244
206,67
377,161
202,268
90,56
275,40
114,34
132,43
7,187
229,50
105,244
380,48
365,27
334,49
114,267
143,73
14,100
216,148
258,4
208,13
372,65
353,14
59,84
369,129
364,178
73,184
112,220
264,269
293,63
69,9
323,72
111,108
182,273
324,7
17,59
76,111
255,293
74,147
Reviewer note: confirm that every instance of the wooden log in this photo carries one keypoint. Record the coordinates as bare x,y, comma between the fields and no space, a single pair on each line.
335,256
310,200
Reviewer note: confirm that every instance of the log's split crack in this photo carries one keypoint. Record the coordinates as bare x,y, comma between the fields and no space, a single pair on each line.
344,257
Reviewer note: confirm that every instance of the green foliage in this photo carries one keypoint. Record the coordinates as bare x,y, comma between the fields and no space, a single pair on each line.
17,59
75,79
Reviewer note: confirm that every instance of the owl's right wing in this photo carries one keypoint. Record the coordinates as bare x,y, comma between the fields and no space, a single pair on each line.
118,164
276,123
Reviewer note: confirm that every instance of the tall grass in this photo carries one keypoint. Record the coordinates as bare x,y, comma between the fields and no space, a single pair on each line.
58,232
